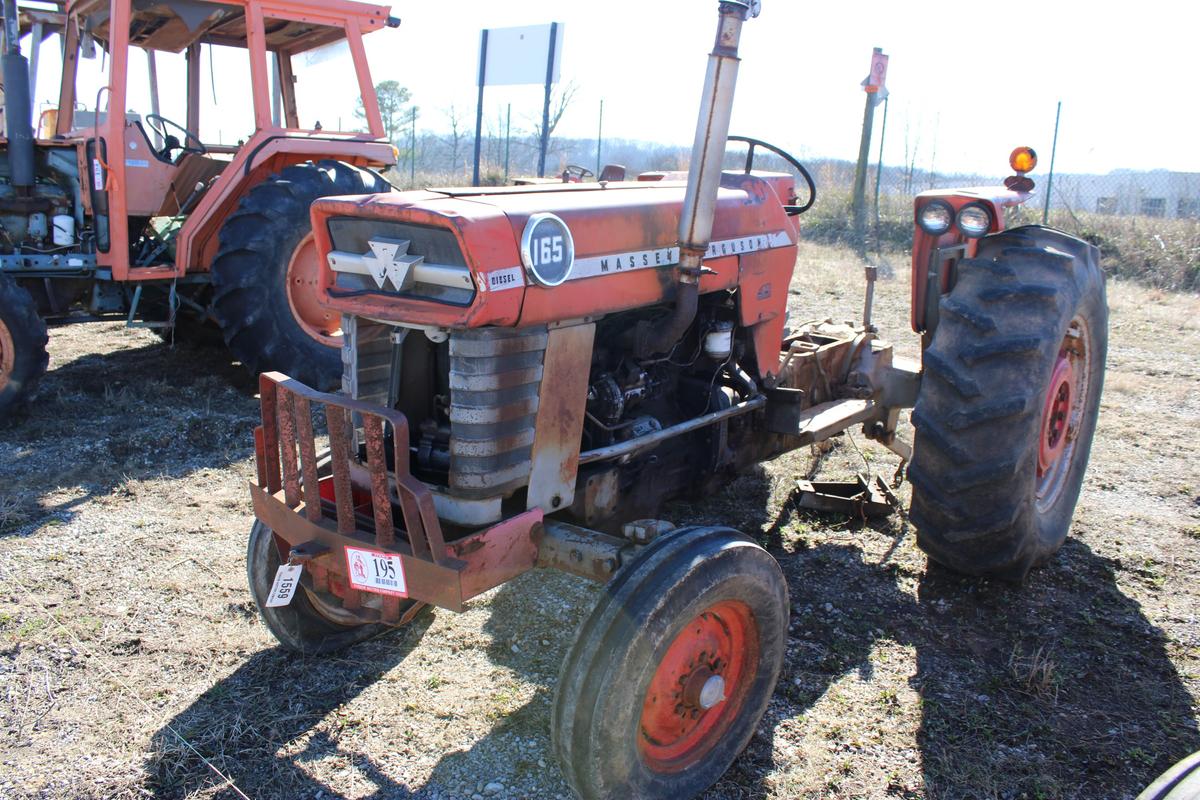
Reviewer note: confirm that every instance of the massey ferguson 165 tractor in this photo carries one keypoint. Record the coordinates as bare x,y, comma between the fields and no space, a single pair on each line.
135,216
530,371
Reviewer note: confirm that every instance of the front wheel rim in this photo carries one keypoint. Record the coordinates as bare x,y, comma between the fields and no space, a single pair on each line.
303,293
8,356
1063,410
699,687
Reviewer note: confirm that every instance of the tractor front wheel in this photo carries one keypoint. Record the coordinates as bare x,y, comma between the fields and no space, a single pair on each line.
311,624
23,357
669,676
266,297
1007,408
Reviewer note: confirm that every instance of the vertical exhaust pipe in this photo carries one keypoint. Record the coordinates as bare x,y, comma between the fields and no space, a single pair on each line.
704,177
18,104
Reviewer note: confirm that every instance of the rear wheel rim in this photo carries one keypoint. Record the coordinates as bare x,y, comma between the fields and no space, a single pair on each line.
1063,413
699,687
303,292
8,355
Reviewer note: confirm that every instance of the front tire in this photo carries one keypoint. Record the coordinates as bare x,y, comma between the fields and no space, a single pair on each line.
1007,408
23,339
670,675
264,274
299,626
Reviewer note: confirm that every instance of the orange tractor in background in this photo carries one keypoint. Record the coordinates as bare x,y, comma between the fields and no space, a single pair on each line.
531,371
123,214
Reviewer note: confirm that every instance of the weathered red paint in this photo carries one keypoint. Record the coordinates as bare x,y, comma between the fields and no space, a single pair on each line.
604,220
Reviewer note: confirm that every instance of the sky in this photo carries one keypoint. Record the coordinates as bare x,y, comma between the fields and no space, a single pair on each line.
967,81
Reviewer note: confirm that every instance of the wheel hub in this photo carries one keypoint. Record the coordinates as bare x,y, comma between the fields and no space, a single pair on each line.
1056,414
697,689
1062,411
8,356
303,292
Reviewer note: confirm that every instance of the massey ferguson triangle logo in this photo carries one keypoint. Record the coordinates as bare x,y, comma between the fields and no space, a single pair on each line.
389,262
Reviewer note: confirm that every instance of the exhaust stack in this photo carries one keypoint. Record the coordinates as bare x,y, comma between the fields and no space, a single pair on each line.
704,177
18,105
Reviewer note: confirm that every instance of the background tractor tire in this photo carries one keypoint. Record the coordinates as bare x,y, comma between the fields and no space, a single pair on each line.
637,712
298,626
264,274
23,357
1180,782
1007,407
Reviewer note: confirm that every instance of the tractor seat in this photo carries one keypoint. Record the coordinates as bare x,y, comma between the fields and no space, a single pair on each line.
191,169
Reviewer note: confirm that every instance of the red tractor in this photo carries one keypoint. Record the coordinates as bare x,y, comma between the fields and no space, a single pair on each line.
531,371
120,214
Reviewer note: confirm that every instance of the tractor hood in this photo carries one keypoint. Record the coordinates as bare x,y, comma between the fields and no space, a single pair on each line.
452,258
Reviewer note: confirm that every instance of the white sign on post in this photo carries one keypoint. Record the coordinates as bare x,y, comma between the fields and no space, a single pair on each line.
520,55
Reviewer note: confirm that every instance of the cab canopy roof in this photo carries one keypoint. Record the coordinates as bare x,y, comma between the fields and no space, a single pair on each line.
291,26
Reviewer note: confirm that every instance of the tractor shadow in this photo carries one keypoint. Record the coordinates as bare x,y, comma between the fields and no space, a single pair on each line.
1060,687
1056,688
101,421
261,725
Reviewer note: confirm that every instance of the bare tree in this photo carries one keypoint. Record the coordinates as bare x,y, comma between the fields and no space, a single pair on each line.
912,144
560,98
457,133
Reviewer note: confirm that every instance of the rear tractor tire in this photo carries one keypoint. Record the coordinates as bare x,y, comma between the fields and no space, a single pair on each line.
23,357
265,274
1007,408
670,675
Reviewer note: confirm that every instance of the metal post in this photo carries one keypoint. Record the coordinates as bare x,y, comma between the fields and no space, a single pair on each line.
507,139
479,109
599,137
546,102
412,150
860,172
1050,177
276,92
879,167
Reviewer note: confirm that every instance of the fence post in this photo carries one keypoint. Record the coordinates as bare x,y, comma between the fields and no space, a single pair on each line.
879,167
412,150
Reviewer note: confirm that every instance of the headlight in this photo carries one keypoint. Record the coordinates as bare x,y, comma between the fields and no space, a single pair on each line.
936,217
974,220
547,249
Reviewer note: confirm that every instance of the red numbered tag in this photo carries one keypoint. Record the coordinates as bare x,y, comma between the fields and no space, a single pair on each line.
373,571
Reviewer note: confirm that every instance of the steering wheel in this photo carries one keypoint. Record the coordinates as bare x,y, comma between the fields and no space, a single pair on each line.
788,157
575,173
191,142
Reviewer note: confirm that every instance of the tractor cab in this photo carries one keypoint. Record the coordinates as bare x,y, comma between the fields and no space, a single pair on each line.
183,91
183,136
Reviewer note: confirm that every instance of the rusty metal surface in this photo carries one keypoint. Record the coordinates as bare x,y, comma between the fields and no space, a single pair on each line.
580,551
497,554
558,430
861,498
437,584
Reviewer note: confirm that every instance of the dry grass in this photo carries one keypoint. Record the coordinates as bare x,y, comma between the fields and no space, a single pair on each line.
125,495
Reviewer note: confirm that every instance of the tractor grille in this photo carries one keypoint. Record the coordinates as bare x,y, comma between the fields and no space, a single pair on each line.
441,274
495,378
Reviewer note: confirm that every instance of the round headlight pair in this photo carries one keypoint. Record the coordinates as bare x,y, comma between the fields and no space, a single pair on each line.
936,217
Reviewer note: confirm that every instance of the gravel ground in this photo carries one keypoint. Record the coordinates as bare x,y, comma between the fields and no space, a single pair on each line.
132,663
